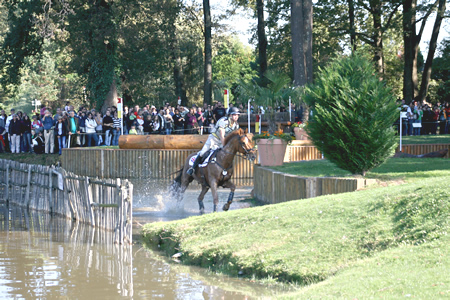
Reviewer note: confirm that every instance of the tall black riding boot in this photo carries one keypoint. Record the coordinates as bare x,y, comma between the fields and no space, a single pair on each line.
191,170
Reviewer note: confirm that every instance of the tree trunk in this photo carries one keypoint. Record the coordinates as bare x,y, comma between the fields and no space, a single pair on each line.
308,38
378,36
298,55
351,15
262,42
431,50
207,90
409,36
111,97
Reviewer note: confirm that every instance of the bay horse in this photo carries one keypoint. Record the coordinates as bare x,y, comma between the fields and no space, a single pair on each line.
216,173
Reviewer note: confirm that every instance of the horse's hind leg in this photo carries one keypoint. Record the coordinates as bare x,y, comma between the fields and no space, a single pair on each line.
232,187
200,199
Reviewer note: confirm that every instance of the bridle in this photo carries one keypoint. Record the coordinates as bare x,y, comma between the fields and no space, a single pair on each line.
247,151
242,145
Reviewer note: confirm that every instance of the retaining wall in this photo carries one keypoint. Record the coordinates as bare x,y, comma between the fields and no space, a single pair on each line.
275,187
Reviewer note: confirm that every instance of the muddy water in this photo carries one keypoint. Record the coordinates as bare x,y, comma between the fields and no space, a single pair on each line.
54,258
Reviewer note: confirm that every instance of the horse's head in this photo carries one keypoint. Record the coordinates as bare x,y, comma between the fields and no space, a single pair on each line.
247,146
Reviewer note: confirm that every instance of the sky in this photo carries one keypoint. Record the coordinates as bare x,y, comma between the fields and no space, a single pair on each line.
243,22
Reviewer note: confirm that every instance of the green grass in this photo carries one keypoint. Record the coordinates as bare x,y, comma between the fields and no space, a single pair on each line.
386,242
425,139
392,169
34,159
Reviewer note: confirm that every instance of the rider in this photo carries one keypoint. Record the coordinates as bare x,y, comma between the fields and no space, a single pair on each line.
216,139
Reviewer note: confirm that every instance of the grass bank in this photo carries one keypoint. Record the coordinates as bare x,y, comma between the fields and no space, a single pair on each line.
425,139
390,242
392,169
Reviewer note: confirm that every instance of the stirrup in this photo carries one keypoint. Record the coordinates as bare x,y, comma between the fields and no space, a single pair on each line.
190,171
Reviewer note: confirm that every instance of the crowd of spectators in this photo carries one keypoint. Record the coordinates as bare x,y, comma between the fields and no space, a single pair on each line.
49,131
424,119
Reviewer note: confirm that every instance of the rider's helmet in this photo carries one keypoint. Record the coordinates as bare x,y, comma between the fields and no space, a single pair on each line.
233,111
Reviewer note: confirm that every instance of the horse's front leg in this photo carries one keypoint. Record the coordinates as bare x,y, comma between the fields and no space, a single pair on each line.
232,187
200,199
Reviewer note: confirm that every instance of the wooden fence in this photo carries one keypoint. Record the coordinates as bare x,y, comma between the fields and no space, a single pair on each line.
158,164
104,204
424,149
276,187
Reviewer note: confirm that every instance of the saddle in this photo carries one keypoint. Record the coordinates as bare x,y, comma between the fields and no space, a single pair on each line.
211,156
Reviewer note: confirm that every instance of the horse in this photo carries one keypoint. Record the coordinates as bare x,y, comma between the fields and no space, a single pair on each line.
218,172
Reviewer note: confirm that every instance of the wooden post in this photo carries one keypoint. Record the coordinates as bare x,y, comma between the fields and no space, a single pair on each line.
7,183
50,189
27,195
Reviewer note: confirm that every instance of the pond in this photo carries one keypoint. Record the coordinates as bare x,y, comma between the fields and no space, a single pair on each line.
50,257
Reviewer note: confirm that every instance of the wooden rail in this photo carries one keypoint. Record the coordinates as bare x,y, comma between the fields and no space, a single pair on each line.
276,187
424,149
104,204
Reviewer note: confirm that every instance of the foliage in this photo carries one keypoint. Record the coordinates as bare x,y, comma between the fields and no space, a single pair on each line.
441,74
277,135
232,62
21,41
276,93
353,115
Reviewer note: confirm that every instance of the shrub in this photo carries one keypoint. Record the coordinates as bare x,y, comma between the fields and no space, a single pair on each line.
353,113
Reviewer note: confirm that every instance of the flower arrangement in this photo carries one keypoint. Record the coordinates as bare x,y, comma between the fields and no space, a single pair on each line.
277,135
298,125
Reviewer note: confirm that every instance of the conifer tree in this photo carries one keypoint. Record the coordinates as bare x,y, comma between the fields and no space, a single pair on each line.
353,113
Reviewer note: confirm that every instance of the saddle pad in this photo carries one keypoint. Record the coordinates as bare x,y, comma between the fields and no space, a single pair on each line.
204,163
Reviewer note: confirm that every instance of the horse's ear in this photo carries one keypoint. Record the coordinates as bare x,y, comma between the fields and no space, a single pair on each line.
240,131
246,130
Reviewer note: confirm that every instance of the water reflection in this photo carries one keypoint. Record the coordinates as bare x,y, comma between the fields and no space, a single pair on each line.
45,257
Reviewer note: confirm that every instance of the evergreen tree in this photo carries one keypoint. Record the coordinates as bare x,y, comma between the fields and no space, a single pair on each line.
353,115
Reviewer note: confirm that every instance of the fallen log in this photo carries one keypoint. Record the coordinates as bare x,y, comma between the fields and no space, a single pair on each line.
168,142
436,154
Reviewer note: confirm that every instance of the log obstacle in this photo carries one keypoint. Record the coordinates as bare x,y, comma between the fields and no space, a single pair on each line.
167,142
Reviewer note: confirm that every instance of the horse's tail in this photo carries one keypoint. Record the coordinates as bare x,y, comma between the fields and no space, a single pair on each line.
178,178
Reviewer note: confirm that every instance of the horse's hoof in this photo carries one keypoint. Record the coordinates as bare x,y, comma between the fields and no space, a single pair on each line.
226,207
215,208
202,211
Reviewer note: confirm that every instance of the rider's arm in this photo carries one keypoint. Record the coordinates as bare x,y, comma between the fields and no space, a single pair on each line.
221,134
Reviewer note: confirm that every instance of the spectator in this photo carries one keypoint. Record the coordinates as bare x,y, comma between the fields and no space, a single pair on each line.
15,132
73,129
219,112
116,129
60,133
191,122
107,125
148,122
91,133
48,124
168,122
178,121
200,119
37,124
99,129
38,143
82,123
2,139
26,134
132,130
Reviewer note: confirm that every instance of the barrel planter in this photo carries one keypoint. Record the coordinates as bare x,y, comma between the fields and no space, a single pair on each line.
168,142
271,151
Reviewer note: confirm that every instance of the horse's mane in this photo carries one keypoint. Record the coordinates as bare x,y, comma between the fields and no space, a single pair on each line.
235,133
